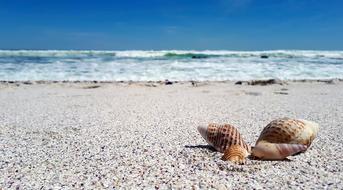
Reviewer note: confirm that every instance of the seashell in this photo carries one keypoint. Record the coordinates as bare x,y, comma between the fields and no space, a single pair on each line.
236,154
285,137
292,131
273,151
226,139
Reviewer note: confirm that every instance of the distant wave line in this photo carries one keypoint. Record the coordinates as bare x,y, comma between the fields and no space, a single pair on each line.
174,54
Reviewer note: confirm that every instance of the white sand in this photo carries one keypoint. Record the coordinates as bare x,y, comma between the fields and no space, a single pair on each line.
134,136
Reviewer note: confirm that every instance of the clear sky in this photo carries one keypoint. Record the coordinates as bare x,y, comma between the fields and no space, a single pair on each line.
171,24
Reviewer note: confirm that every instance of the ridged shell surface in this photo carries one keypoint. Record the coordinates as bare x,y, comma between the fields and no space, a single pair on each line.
236,154
289,131
222,136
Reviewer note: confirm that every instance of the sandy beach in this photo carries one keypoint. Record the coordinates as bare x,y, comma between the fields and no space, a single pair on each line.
143,135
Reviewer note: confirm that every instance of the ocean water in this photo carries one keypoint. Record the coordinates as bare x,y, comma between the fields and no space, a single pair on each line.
20,65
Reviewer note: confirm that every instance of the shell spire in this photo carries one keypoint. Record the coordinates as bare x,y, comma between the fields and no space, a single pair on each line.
285,137
203,131
226,139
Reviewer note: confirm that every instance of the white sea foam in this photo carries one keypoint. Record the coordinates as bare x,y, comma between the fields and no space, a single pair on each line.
169,64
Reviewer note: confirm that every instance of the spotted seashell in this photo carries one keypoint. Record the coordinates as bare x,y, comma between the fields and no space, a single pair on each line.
226,139
284,137
292,131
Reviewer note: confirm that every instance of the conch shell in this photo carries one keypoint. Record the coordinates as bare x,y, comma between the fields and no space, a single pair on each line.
226,139
285,137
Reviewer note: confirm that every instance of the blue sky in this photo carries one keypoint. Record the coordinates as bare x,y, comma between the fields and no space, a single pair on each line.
171,24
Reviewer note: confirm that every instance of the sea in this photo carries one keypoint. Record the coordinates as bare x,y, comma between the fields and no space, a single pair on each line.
173,65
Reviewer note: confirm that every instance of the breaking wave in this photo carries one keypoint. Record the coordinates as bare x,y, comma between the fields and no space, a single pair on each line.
169,64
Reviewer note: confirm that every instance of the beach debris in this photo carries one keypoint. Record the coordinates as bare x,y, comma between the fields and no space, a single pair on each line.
253,93
327,81
241,82
266,82
150,85
261,82
91,87
167,82
330,81
282,93
27,82
285,137
194,83
198,83
226,138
